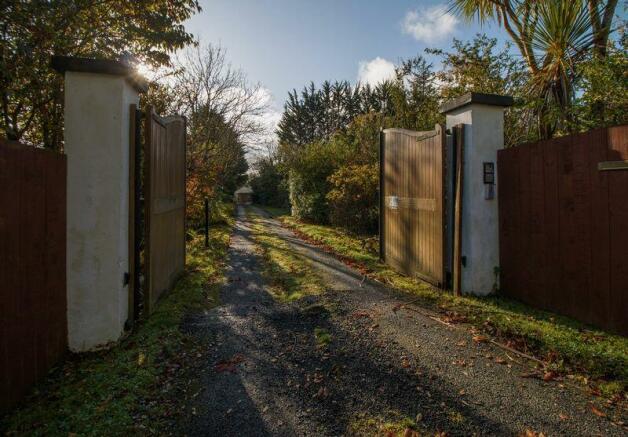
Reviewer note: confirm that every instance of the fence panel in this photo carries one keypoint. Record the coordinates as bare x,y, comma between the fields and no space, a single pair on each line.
618,221
33,315
564,226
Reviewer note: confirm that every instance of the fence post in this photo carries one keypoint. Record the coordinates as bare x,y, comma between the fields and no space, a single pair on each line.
206,222
482,120
98,134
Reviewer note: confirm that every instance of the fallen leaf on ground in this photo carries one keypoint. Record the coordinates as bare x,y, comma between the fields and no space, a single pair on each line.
597,412
359,314
322,393
500,360
562,416
480,338
461,343
530,433
549,376
409,432
454,317
229,365
529,375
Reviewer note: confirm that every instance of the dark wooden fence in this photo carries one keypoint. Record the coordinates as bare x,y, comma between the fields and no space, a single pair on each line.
33,327
564,225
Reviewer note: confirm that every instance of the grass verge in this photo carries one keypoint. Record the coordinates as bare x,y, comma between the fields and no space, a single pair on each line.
289,274
567,346
140,385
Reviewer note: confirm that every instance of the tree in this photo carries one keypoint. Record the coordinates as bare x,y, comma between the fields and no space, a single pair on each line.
480,66
268,183
32,31
222,110
601,15
206,86
553,37
604,80
415,96
317,114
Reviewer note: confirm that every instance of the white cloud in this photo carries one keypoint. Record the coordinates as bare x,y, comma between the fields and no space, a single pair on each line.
267,119
429,24
375,71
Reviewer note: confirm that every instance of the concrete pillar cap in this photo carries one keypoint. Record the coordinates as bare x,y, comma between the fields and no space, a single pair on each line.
100,66
479,98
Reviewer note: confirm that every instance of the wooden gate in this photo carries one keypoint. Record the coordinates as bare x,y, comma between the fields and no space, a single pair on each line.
412,202
164,197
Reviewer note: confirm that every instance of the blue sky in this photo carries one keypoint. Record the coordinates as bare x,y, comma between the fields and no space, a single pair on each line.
285,44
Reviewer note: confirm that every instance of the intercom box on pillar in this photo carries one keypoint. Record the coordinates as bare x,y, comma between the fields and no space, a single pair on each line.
98,98
482,116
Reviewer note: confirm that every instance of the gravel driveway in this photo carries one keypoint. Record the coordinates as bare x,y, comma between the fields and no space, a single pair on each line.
266,375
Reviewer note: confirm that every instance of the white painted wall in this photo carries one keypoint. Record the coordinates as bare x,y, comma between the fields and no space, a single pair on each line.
97,135
484,135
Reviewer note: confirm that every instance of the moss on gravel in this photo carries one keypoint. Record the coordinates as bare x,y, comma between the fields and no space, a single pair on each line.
137,386
567,345
323,337
394,424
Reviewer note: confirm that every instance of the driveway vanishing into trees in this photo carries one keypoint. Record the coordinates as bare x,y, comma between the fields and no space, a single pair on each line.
359,359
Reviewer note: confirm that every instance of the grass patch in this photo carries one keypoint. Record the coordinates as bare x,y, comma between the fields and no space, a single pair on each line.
567,345
276,212
323,338
289,274
395,425
140,385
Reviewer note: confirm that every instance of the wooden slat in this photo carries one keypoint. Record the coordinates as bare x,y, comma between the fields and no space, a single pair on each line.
523,253
458,193
551,249
382,197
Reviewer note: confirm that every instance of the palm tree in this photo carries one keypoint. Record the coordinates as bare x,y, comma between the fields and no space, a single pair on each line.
552,36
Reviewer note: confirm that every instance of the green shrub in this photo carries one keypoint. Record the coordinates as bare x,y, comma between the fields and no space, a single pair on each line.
307,198
353,200
269,186
308,183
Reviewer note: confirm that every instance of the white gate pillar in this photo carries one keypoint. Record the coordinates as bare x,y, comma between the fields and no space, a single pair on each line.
483,118
98,95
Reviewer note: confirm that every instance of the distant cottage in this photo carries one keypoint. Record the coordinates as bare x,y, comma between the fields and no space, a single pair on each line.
244,196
